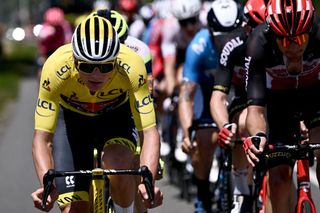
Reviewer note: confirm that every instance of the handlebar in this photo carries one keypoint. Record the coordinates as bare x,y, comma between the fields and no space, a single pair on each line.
298,151
142,171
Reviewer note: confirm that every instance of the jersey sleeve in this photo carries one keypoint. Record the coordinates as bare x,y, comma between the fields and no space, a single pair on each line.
255,71
141,102
54,75
225,68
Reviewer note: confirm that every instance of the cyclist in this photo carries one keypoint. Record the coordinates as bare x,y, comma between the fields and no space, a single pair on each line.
177,32
282,62
129,9
169,41
55,32
194,100
230,118
99,89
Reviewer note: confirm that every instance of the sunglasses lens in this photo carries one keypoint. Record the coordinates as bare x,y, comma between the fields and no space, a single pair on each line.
88,68
286,41
104,68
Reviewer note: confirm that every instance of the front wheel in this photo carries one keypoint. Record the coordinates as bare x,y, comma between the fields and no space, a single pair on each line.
109,206
306,207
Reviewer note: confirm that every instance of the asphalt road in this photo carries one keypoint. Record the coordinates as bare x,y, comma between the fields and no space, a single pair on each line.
17,174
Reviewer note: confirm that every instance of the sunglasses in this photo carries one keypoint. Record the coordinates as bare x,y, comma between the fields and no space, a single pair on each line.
188,21
286,41
88,68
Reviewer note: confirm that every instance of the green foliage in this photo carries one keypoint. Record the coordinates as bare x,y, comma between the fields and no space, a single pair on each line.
9,77
22,51
16,62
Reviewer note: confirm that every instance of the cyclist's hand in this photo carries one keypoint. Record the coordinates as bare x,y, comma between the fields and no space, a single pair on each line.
37,199
158,197
251,150
187,147
226,134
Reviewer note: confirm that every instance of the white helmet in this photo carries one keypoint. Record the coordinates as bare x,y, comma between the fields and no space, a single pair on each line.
183,9
224,15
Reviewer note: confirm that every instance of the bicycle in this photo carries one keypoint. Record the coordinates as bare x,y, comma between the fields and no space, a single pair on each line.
303,153
101,200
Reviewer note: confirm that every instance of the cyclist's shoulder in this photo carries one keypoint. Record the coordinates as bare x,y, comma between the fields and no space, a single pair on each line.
201,43
138,46
129,56
130,63
202,33
60,63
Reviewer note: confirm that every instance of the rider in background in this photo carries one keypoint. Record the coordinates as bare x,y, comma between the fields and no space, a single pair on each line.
230,117
55,32
169,40
177,32
199,72
142,26
283,66
129,9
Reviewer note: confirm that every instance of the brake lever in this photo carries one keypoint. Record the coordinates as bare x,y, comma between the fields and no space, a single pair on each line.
48,186
147,181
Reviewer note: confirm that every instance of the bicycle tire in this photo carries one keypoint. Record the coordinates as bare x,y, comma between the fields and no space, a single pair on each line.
109,206
306,207
224,187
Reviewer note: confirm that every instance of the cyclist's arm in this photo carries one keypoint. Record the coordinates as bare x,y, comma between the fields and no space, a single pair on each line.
47,110
142,108
255,120
42,152
168,48
218,107
256,86
186,101
150,151
170,73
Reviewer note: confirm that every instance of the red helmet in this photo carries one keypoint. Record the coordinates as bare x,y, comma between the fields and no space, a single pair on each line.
128,5
255,10
290,17
54,16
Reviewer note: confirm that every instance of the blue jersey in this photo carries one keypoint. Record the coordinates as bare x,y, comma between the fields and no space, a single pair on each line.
201,59
200,65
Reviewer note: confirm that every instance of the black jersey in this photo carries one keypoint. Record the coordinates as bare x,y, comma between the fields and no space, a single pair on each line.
266,69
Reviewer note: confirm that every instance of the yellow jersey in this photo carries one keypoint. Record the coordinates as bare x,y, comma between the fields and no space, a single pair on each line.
60,84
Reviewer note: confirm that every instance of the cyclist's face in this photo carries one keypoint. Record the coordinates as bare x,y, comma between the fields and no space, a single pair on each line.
189,25
293,46
95,80
293,49
95,75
